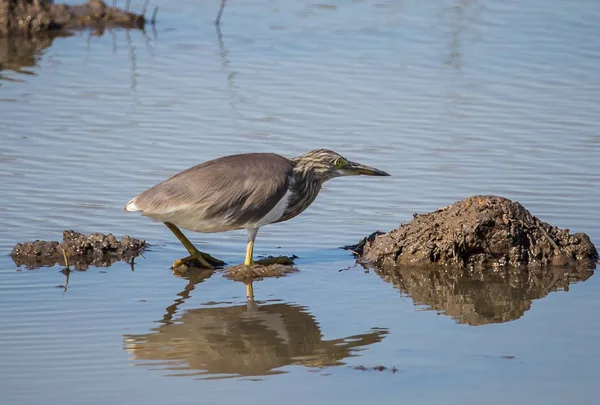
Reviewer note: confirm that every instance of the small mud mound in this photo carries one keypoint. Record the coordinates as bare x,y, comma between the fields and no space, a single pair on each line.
474,232
257,272
33,17
269,267
82,251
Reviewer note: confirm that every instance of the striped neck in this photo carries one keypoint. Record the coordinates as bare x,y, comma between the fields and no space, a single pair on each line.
304,188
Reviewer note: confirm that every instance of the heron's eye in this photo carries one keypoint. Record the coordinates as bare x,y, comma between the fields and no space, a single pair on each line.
339,163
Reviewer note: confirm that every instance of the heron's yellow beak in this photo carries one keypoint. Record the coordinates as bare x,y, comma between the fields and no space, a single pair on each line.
358,169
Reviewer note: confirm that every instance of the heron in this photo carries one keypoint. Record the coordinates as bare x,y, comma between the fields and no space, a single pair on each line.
242,191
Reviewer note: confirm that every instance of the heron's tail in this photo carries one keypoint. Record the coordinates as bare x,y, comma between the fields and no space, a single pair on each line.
131,207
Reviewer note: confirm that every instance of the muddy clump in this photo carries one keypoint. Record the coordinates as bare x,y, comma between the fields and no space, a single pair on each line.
81,250
34,17
258,272
268,267
477,232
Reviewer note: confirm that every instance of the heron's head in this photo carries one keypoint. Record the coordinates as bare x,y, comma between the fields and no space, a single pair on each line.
327,164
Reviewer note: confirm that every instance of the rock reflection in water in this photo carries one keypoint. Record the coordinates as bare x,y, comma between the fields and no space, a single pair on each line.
495,296
21,54
244,340
18,53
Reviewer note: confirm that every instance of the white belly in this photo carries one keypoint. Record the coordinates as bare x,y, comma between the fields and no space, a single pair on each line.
275,213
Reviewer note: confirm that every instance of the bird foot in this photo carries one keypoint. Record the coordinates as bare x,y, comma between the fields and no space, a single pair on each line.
199,260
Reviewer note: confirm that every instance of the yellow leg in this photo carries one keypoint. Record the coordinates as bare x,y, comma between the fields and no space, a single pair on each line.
249,261
202,257
249,252
182,238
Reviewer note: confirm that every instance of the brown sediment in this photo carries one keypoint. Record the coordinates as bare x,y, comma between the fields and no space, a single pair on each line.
477,232
257,272
269,267
35,17
81,250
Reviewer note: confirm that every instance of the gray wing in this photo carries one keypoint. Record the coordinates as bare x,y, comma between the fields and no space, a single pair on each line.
228,192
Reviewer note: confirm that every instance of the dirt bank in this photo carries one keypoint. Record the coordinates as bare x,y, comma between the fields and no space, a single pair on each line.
82,251
34,17
477,232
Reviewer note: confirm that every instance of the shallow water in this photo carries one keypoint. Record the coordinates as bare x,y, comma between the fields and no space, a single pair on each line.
451,98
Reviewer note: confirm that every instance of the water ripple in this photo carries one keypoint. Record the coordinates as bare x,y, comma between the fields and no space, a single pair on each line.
451,98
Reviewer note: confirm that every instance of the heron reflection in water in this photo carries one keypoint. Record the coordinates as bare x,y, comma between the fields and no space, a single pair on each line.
255,339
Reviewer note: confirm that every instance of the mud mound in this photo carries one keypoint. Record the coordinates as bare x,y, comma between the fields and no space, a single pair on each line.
258,272
33,17
82,251
474,232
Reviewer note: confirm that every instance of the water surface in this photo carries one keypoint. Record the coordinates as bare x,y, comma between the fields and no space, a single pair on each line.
452,98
